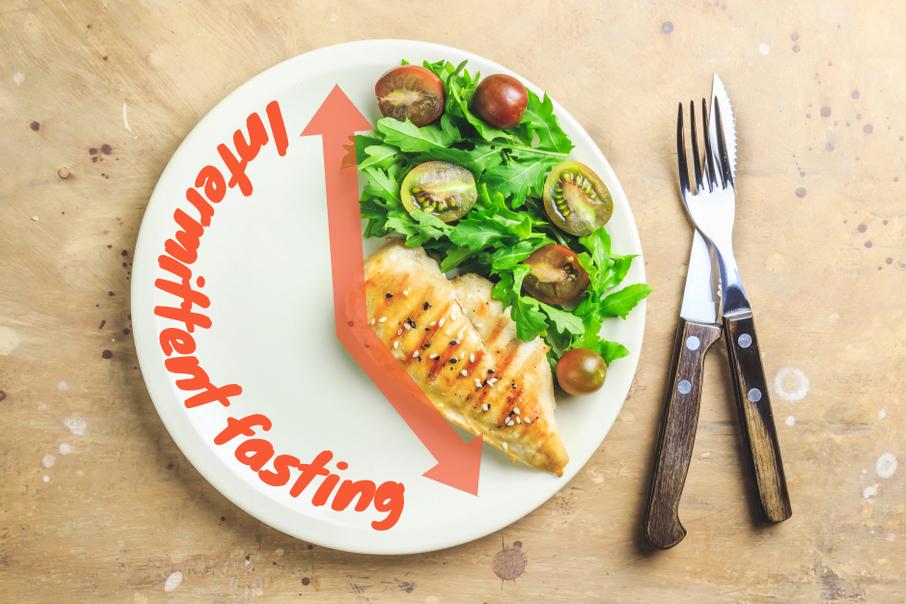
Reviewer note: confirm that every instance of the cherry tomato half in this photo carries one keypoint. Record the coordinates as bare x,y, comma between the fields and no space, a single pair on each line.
500,100
412,92
556,276
441,188
576,199
581,371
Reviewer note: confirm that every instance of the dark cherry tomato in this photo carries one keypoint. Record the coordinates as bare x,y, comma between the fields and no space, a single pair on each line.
581,371
556,276
412,92
440,188
576,199
500,100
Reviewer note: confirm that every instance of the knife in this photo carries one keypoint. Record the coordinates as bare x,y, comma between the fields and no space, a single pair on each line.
749,383
696,330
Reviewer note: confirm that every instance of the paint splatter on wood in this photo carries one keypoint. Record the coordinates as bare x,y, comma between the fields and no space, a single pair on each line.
886,466
173,582
76,425
791,384
509,563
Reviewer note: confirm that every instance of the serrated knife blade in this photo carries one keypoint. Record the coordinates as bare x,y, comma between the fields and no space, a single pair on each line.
727,119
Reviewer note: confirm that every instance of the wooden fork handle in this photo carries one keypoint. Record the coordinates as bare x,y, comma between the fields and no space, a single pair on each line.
757,418
662,527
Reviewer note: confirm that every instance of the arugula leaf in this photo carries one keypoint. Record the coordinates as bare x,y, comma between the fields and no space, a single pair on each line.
530,321
519,179
541,122
476,233
619,269
362,141
383,184
455,256
378,155
507,258
476,160
417,227
494,206
375,215
408,137
526,312
563,321
619,304
611,351
598,245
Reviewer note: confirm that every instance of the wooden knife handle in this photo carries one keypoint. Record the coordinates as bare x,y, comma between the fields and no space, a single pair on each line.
757,418
677,433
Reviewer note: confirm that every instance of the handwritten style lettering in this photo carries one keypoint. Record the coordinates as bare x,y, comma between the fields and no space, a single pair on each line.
188,313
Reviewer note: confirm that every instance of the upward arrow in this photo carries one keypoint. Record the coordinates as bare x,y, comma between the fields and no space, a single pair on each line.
458,463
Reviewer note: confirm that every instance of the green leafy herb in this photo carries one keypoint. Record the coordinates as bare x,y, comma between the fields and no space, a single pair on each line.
541,121
619,304
518,179
406,136
507,222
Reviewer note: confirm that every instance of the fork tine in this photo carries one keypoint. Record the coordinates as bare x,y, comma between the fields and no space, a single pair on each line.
725,168
682,167
710,169
696,156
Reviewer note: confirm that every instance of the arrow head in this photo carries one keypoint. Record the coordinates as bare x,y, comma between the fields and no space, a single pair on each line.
337,115
458,466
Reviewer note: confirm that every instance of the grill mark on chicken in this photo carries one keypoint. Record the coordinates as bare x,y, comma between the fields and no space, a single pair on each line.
497,331
398,285
503,364
415,314
418,310
444,352
425,341
530,361
471,365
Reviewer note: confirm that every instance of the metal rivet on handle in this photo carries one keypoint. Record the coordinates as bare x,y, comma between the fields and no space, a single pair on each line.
692,342
745,340
754,395
684,387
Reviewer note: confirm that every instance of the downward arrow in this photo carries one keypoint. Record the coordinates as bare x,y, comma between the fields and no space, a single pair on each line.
458,463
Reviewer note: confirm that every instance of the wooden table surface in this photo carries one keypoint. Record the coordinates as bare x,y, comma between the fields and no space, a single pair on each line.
98,505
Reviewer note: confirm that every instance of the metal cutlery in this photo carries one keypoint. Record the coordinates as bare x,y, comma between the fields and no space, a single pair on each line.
713,280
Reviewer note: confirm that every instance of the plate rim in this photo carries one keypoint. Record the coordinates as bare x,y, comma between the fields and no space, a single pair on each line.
183,436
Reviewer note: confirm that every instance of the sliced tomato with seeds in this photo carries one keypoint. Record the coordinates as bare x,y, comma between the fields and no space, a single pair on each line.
410,92
576,199
556,276
440,188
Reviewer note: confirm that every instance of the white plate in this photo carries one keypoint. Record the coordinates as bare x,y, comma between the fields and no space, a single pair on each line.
266,264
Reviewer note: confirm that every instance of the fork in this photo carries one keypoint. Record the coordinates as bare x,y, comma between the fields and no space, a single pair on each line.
712,209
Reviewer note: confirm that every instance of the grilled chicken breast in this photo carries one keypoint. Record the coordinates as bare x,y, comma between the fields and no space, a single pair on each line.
460,347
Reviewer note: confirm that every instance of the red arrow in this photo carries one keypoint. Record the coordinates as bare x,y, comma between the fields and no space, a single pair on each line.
458,463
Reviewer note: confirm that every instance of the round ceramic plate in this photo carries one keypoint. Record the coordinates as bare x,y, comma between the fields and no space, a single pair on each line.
262,319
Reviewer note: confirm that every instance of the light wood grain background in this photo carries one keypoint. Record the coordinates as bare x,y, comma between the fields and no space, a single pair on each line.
117,514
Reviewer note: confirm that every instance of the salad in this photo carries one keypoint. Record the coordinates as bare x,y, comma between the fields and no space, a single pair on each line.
478,173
